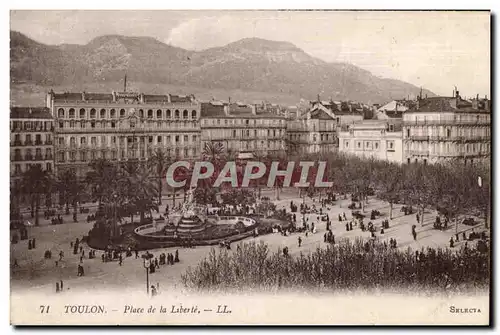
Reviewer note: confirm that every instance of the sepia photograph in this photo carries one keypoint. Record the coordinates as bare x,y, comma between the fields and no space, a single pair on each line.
250,167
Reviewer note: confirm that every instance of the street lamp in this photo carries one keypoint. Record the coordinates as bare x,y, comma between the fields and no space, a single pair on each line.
147,264
480,184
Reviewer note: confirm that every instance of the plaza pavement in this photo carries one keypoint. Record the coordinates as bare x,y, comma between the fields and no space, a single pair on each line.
40,275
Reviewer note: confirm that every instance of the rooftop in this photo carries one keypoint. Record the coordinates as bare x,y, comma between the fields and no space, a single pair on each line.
30,113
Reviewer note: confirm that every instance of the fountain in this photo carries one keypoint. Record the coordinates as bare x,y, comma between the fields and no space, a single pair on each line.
192,222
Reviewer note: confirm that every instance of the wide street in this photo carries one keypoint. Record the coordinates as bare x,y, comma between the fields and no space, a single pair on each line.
39,274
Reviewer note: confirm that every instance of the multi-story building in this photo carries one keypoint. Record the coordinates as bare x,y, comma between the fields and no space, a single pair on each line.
121,126
31,141
394,109
445,128
241,129
377,139
316,130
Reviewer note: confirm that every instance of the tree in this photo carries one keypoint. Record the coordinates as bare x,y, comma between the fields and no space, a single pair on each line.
35,182
159,162
103,174
142,191
388,183
70,189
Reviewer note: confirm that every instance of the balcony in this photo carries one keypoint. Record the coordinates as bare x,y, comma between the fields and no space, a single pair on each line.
38,142
18,158
17,143
446,122
38,157
448,138
28,157
49,157
28,142
48,143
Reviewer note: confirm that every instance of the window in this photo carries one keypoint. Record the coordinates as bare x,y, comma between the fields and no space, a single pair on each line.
72,113
346,144
92,113
168,139
234,133
83,141
448,133
122,112
102,113
185,139
82,124
169,114
141,113
150,139
376,145
408,132
390,146
61,124
177,138
112,113
185,114
92,124
60,157
60,112
193,114
72,156
113,139
83,156
159,114
113,124
186,153
93,141
391,127
82,113
194,138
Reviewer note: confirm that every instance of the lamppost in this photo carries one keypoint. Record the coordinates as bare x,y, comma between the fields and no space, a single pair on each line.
147,264
480,184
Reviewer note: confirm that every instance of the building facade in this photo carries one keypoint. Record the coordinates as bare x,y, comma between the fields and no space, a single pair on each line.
122,126
316,130
447,128
31,141
382,140
242,129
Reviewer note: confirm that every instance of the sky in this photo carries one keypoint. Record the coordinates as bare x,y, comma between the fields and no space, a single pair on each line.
435,50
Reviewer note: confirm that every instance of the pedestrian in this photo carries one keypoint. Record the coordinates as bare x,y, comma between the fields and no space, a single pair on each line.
57,287
102,257
81,259
350,225
62,285
176,259
418,218
120,260
347,227
136,254
33,244
300,241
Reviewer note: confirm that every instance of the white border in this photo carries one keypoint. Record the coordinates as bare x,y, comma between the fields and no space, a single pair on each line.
186,4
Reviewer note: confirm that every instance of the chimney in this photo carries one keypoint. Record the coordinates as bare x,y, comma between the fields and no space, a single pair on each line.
114,96
253,107
83,95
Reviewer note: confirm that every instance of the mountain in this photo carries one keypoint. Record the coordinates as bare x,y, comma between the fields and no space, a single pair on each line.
250,64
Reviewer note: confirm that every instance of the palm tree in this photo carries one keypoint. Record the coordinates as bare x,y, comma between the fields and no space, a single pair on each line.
214,153
142,191
102,175
64,184
70,189
35,182
159,162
